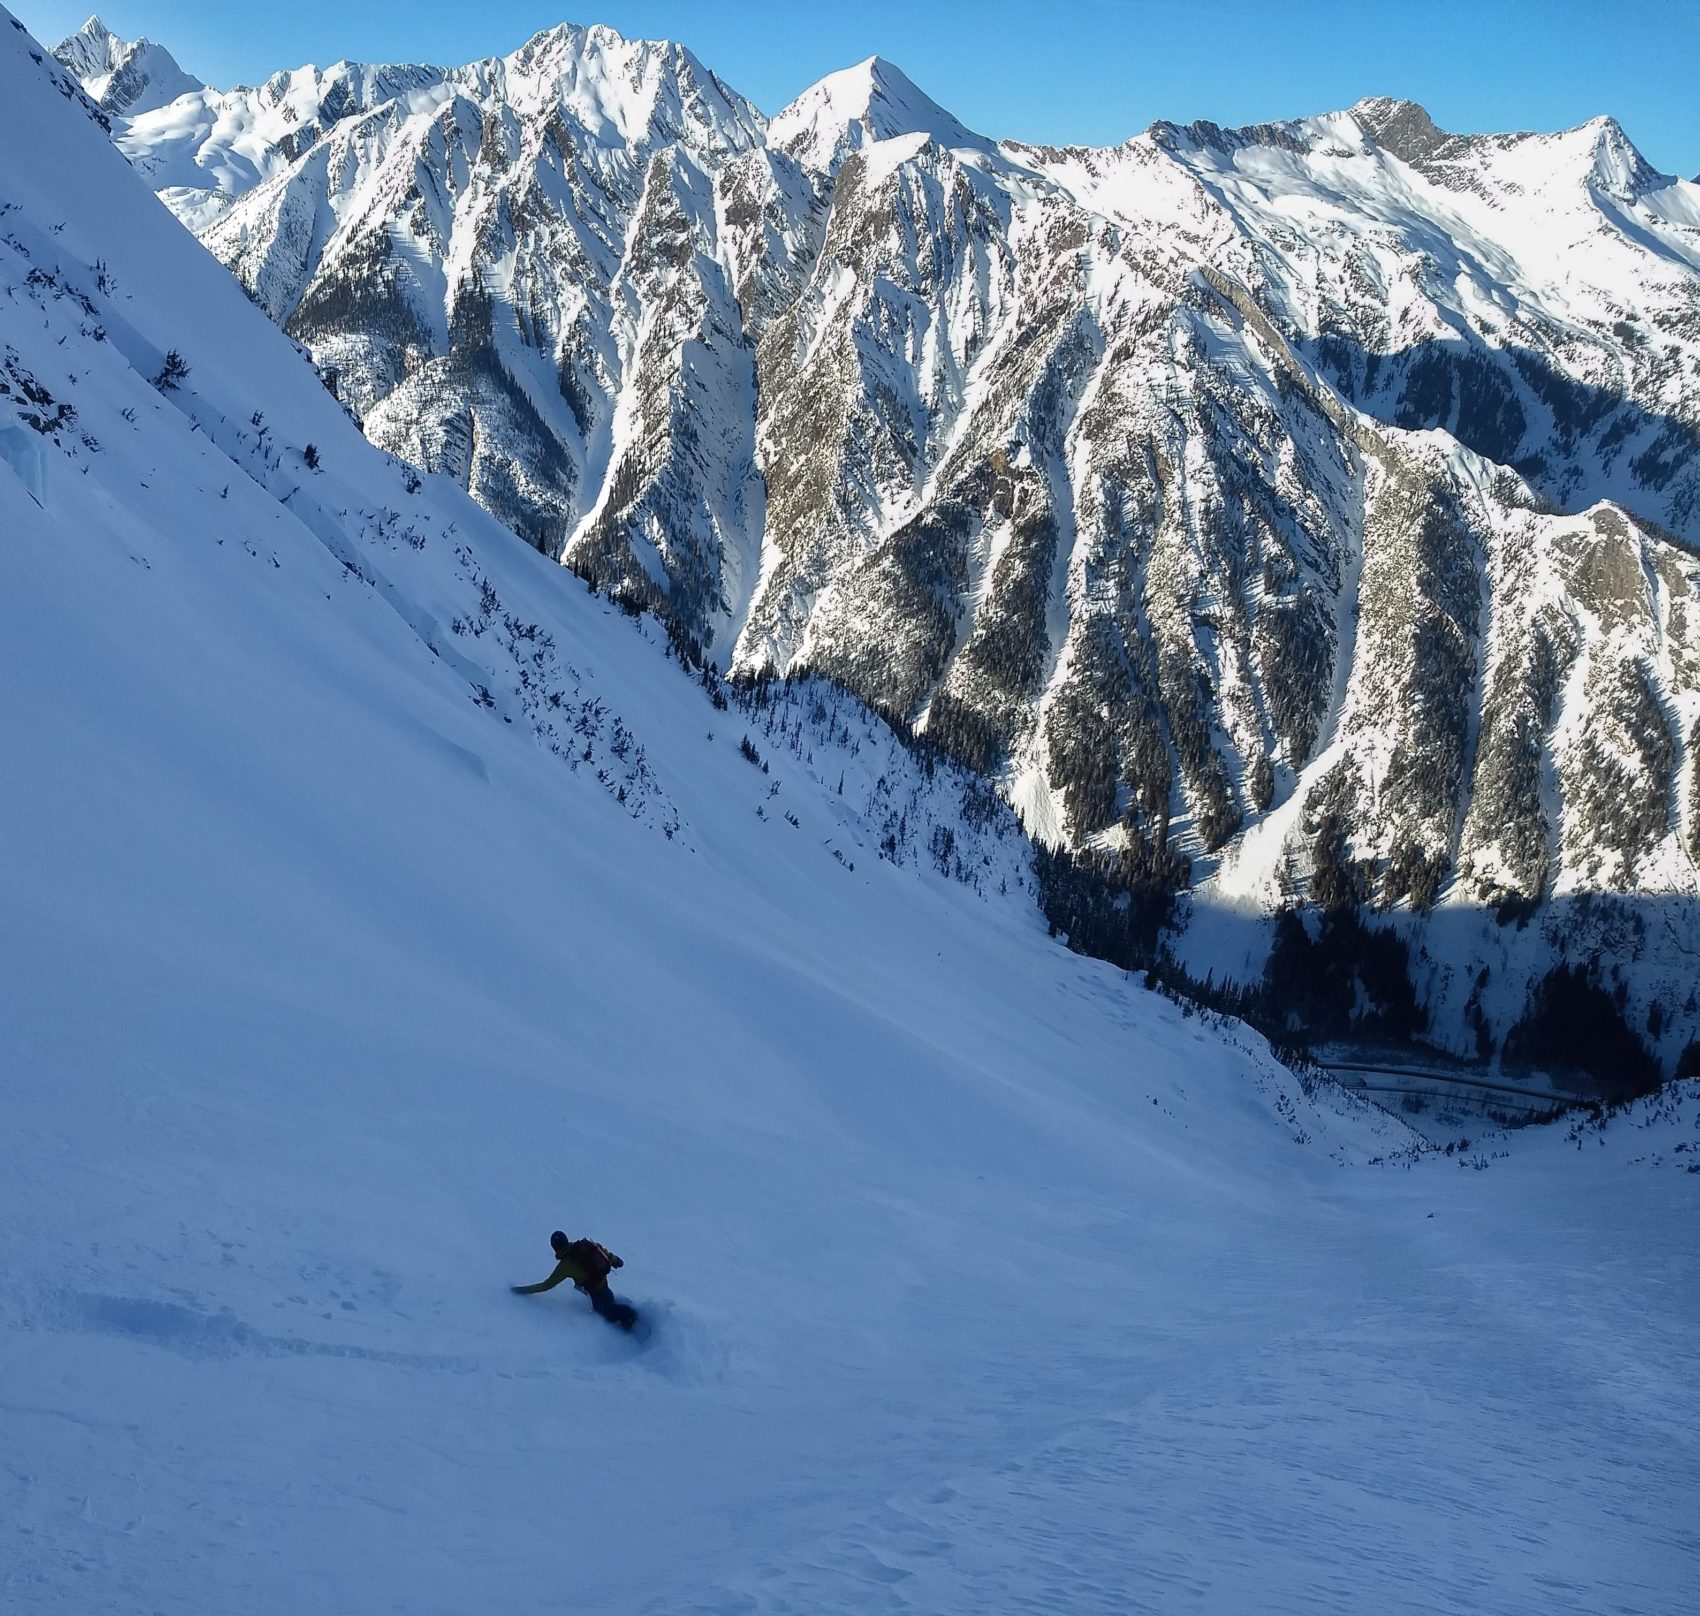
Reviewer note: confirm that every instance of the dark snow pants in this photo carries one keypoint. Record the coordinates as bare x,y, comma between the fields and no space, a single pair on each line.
611,1307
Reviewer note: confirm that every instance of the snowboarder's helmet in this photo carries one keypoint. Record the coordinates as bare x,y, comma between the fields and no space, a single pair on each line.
557,1240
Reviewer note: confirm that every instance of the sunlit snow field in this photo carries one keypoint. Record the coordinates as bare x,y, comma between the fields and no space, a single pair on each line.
979,1279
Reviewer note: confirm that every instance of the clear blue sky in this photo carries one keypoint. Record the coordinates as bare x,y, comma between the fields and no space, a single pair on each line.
1089,71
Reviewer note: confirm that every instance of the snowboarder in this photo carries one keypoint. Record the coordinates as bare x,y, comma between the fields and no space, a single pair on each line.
587,1265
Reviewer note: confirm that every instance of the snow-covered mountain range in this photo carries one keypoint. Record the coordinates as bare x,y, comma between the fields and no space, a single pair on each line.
1306,511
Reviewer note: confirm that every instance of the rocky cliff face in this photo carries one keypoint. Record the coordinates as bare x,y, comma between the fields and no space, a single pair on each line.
1309,510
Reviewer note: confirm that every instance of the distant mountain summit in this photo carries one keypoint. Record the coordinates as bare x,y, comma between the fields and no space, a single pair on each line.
124,78
857,106
1300,514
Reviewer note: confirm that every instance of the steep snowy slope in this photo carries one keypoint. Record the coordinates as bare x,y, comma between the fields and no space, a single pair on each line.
377,899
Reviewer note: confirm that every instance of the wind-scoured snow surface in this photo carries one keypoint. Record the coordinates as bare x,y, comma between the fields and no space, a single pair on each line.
377,900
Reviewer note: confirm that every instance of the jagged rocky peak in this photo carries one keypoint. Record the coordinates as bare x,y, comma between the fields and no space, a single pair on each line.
620,90
1296,135
874,100
1618,167
1598,153
94,48
127,77
1401,127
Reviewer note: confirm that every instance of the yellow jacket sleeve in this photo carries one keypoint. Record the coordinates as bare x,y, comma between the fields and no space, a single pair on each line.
566,1268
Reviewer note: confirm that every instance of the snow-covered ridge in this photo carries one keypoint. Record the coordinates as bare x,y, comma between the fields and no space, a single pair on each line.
202,148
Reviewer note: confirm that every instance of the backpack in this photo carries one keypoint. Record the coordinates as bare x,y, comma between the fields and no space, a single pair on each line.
596,1261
